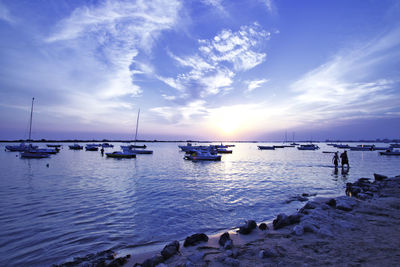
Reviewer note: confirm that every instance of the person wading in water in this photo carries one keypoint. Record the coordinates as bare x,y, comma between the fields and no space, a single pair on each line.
335,159
345,159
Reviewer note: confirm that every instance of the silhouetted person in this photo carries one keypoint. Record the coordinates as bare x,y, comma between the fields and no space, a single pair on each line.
345,159
335,159
102,151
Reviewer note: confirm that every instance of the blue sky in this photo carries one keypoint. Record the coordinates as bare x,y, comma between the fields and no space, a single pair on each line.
206,69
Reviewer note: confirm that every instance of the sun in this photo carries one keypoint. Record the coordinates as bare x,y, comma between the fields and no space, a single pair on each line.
228,125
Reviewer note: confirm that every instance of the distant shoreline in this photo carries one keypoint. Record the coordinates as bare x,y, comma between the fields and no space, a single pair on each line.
191,141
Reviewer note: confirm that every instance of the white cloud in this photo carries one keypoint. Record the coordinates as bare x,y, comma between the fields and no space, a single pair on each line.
354,84
251,85
5,14
113,34
212,70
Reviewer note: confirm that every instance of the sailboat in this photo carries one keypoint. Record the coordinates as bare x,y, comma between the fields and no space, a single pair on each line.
33,151
23,146
134,147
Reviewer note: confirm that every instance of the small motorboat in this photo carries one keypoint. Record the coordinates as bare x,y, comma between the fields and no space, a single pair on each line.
104,145
92,147
266,147
53,145
75,147
390,153
308,147
203,155
121,154
224,151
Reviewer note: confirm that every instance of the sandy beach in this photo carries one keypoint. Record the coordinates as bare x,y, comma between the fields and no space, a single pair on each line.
361,228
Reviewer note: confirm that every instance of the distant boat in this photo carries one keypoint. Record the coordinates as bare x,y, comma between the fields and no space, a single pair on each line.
134,146
91,147
106,145
121,154
224,151
362,148
203,155
75,147
390,153
53,145
20,148
266,147
308,147
24,147
34,155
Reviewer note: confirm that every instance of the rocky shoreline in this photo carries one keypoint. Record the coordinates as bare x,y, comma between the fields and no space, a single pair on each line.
361,228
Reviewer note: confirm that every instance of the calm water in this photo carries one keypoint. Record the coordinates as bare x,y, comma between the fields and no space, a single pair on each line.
84,203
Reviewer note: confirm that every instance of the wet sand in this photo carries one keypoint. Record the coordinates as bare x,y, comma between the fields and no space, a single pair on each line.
362,230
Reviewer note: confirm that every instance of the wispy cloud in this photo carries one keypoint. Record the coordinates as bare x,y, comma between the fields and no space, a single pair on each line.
350,85
113,34
5,14
218,60
251,85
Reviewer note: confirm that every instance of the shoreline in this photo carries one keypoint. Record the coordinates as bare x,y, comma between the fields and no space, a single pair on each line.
359,228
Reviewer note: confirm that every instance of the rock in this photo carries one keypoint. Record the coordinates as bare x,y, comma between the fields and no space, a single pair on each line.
310,228
247,228
331,202
229,253
298,230
195,239
153,261
345,203
189,264
280,221
224,238
294,218
363,196
171,249
235,253
117,262
267,253
161,265
231,261
263,226
380,177
197,257
228,244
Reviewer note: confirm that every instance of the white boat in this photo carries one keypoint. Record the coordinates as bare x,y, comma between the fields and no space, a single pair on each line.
75,147
202,155
24,147
266,147
133,148
21,147
308,147
121,154
341,146
224,151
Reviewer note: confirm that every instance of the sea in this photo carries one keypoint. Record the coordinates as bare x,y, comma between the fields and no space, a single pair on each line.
79,202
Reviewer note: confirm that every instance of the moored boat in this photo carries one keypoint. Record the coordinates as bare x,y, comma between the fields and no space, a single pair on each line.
121,154
390,153
308,147
34,155
75,147
20,148
203,155
266,147
91,147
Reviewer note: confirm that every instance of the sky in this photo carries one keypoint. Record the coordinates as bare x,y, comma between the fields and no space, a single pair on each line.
200,69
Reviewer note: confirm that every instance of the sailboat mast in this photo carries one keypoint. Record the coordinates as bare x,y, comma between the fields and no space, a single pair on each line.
30,121
137,125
